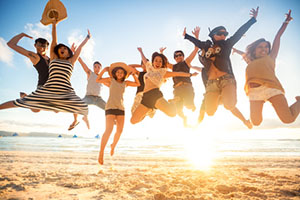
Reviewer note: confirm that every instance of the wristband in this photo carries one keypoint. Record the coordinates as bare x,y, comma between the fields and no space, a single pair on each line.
88,36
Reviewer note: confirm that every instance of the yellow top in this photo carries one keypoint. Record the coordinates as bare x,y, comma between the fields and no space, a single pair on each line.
262,71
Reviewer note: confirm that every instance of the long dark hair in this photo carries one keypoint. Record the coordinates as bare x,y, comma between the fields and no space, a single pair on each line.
62,45
250,50
114,71
163,57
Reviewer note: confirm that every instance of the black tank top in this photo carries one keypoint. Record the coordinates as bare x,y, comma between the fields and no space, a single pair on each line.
142,83
181,67
42,68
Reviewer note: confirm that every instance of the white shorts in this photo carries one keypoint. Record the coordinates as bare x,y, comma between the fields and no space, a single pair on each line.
263,93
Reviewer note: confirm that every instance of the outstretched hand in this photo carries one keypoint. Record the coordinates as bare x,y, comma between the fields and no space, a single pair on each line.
254,12
89,34
140,49
161,49
184,32
194,74
196,32
288,16
73,47
25,35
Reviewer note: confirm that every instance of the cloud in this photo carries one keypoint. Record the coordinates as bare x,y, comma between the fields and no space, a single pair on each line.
38,30
87,53
6,54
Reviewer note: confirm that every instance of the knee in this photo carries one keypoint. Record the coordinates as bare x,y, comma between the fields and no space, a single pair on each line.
210,112
133,121
230,105
256,122
287,120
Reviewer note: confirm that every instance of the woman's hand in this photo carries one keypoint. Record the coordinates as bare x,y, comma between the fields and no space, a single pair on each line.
254,12
161,49
73,47
288,17
89,34
196,32
184,32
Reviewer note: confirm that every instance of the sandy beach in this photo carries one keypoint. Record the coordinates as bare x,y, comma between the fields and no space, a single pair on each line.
57,175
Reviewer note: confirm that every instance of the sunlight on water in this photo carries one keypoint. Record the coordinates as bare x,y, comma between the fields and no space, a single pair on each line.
200,150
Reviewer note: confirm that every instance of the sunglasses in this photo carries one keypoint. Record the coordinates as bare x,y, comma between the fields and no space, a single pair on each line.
177,55
219,33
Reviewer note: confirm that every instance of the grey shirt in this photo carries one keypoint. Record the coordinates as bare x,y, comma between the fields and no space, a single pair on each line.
115,99
93,88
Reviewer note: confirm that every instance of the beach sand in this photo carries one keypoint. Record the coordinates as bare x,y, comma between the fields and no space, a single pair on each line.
60,175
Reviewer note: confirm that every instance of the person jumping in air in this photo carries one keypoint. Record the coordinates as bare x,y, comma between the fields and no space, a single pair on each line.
221,84
261,82
152,96
57,93
114,109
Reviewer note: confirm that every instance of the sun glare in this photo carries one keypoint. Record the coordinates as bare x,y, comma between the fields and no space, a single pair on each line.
200,150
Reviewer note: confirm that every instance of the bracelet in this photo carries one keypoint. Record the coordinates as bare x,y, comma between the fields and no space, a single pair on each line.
88,36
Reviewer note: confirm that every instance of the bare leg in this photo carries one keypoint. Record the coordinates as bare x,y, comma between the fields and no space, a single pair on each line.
211,102
139,114
236,112
108,129
285,113
8,104
229,96
256,108
86,120
168,108
120,125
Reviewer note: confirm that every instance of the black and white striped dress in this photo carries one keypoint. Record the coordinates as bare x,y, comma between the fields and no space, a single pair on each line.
57,93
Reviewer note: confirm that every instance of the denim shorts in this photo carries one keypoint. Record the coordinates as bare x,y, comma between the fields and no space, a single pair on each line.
216,85
94,100
186,92
263,93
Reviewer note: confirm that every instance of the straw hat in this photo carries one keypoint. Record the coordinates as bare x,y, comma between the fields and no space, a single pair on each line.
120,64
54,9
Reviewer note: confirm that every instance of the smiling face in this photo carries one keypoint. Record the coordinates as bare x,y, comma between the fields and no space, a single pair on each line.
41,48
120,74
178,56
157,62
220,35
261,50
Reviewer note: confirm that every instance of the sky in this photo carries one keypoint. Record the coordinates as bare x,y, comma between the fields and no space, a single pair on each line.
117,29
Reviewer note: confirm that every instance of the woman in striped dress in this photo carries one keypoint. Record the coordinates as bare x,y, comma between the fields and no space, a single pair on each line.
57,93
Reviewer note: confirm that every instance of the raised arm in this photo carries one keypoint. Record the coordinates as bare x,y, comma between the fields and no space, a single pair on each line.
182,74
13,43
276,42
243,54
190,58
78,50
144,59
84,67
243,29
136,82
54,40
194,40
100,79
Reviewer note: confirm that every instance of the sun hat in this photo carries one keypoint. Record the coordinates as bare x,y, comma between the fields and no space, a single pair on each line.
54,9
127,68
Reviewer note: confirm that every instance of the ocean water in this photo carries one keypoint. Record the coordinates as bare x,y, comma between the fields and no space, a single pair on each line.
158,146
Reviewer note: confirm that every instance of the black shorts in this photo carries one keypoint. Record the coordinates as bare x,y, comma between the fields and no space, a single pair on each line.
149,98
114,112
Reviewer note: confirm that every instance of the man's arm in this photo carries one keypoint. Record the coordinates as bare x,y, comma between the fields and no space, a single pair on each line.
13,43
85,67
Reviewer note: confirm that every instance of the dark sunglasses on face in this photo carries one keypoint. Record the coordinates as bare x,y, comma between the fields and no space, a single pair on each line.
225,33
177,55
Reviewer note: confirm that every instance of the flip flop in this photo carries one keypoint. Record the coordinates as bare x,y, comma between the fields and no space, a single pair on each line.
73,126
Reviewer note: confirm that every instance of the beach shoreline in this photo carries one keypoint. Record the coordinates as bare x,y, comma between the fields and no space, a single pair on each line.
71,175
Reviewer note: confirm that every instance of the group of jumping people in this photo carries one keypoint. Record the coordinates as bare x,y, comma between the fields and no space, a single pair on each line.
55,93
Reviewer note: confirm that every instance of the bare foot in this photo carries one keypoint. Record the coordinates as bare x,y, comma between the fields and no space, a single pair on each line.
100,159
248,124
112,150
86,120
